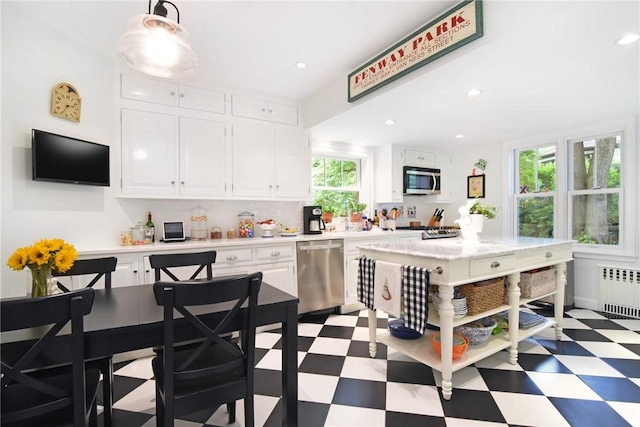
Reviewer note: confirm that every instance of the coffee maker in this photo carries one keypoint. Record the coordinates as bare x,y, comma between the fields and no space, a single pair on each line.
312,217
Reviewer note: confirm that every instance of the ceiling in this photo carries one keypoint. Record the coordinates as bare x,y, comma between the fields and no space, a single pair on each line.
542,66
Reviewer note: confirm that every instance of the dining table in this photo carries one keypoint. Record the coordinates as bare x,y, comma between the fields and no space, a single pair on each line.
125,319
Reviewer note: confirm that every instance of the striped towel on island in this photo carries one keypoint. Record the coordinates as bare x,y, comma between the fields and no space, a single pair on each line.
366,271
415,285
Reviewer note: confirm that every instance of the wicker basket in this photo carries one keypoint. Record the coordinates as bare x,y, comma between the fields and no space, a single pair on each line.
483,296
536,283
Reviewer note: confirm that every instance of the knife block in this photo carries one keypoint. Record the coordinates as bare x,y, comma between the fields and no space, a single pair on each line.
433,222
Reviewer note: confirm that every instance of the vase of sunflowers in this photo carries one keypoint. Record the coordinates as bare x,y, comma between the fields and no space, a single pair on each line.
42,258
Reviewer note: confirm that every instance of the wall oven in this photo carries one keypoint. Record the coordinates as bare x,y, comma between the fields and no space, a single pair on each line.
418,181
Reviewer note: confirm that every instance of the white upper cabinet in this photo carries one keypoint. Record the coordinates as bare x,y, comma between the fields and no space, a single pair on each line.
149,153
253,108
419,158
167,155
270,164
389,162
168,93
202,157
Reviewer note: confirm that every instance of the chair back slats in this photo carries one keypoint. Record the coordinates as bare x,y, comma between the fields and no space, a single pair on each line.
164,262
101,267
53,312
240,294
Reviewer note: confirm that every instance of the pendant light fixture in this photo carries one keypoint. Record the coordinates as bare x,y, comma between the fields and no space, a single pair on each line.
157,45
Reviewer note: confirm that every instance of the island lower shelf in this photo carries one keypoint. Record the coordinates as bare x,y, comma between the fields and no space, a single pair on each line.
422,351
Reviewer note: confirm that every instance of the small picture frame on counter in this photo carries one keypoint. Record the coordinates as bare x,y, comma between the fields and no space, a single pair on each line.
475,186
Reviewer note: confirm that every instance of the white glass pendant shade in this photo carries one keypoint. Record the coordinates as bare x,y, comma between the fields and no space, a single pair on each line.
158,46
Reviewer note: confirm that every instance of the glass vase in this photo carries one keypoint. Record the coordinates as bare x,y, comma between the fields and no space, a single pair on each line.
42,283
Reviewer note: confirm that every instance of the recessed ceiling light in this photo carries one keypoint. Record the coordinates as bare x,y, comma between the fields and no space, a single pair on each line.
301,65
628,38
474,92
460,135
389,122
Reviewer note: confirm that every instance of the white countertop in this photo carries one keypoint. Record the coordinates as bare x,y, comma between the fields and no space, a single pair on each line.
458,248
250,242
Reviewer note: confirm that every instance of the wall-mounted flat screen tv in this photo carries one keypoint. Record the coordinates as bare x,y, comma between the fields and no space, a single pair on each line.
61,158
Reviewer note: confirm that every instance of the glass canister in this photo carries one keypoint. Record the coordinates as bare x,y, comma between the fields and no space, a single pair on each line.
137,234
246,224
199,223
216,232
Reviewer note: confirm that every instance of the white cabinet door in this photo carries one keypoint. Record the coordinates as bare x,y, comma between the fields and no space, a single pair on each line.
446,175
389,162
282,113
280,275
149,153
351,277
202,157
196,98
419,158
253,161
292,165
260,109
148,90
129,271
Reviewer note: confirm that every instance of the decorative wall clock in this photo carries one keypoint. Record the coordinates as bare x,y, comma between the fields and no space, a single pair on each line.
66,102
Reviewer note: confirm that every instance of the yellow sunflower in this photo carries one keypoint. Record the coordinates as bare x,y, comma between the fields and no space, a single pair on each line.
39,254
64,259
19,259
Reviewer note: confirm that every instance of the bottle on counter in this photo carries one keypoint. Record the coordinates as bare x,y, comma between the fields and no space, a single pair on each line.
376,220
150,230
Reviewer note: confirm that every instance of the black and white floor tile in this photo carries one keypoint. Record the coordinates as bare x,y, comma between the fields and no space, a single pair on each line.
589,378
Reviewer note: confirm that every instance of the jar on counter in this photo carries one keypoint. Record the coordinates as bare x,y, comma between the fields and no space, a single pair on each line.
246,224
199,223
126,239
216,233
137,234
231,233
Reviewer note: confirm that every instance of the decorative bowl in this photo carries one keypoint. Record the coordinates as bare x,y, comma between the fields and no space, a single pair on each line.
267,228
460,344
398,330
478,331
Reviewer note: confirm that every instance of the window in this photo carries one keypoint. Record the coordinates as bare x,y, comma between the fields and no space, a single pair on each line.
594,195
536,191
335,183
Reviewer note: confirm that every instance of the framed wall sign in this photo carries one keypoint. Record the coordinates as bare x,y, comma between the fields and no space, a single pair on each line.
449,31
475,186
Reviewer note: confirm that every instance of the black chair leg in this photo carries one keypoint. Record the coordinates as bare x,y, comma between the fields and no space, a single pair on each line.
248,411
231,409
107,390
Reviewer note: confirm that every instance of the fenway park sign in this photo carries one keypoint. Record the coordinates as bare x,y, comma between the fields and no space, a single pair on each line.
449,31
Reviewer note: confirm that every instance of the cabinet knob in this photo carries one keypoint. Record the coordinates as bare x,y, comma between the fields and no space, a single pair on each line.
173,182
548,255
182,182
135,271
263,109
495,264
270,111
231,257
182,95
275,253
172,93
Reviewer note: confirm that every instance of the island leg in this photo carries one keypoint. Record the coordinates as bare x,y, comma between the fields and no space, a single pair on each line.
373,324
513,297
558,299
446,339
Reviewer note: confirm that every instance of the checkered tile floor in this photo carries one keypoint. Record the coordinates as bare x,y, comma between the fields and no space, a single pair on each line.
589,378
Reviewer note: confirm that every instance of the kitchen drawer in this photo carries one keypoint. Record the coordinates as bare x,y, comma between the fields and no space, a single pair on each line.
274,253
233,256
352,245
491,265
550,255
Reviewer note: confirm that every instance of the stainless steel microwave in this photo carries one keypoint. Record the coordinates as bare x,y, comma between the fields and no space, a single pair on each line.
417,181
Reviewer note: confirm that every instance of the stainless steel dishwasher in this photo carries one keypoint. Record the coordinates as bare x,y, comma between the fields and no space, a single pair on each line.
320,274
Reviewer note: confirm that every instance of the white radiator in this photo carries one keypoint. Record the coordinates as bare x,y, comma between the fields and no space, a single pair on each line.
619,291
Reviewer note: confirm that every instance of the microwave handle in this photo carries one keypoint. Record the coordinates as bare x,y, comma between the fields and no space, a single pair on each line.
434,182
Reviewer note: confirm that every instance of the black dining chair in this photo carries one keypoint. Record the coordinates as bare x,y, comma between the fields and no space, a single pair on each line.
217,371
99,267
162,263
54,396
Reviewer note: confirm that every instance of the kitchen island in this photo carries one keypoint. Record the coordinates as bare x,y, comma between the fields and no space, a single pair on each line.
455,262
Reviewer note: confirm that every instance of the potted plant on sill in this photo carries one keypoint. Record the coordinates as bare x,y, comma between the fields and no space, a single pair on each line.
327,213
478,212
357,209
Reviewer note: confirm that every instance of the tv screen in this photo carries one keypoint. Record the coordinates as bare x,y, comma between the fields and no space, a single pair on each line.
64,159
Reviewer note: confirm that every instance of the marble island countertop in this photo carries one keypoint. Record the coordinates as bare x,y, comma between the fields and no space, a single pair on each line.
458,248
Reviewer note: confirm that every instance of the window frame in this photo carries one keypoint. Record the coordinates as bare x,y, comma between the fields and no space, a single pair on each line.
627,249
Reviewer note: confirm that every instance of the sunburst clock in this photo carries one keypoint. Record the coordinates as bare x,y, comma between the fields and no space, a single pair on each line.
66,102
